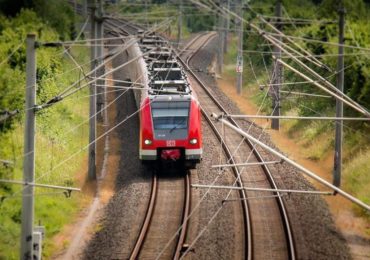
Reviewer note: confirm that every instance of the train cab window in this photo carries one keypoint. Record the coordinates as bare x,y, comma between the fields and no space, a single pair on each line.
170,118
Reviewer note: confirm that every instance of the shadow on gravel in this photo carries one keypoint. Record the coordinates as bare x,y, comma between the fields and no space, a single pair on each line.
130,168
122,217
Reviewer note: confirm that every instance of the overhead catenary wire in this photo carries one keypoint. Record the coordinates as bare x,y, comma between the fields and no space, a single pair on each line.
308,56
320,114
337,96
262,189
322,42
116,52
279,44
98,111
78,35
71,43
305,94
296,19
13,52
301,117
94,141
40,185
354,104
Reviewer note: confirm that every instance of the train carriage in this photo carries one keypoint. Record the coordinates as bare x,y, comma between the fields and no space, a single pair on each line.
170,121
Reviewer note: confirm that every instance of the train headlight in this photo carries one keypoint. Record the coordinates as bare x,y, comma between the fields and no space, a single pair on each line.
193,141
147,142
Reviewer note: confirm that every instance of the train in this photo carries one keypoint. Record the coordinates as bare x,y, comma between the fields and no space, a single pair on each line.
170,116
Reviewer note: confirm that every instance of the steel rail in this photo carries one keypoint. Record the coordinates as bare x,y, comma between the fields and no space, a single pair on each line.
185,217
148,217
114,28
282,208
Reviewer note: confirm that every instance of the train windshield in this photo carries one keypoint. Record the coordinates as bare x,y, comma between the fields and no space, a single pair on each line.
170,115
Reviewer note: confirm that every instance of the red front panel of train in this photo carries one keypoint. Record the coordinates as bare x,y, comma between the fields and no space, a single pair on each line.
163,136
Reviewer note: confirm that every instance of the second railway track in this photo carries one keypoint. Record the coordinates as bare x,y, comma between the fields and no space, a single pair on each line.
268,229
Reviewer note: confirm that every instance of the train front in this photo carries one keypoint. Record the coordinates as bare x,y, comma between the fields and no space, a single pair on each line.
171,130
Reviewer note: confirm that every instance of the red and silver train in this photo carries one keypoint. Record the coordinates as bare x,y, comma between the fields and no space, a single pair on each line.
170,117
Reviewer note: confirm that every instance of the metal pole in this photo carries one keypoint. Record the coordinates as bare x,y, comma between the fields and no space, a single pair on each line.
84,8
99,53
337,171
220,41
29,152
146,13
239,79
227,26
296,165
92,108
179,25
277,73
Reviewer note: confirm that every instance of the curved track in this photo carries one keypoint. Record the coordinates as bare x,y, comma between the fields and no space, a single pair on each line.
267,224
267,227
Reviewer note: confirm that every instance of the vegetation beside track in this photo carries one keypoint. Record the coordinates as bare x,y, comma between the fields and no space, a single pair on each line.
316,137
56,138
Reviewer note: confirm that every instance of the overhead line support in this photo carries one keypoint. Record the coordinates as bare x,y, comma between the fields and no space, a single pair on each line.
337,171
99,61
27,215
239,65
277,75
220,60
91,175
179,24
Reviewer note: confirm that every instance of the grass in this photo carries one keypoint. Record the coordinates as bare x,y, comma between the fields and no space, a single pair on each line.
357,178
55,141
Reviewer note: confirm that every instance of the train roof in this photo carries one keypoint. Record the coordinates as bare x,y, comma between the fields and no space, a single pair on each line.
166,76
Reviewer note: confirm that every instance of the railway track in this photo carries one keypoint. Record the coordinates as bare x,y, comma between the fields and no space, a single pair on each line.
166,212
267,228
268,232
169,202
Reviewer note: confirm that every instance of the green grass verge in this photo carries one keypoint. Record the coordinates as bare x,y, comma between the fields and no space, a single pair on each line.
56,139
356,176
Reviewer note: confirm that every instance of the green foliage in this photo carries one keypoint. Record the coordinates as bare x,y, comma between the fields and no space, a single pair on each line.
355,9
357,179
199,20
58,14
12,70
56,134
357,80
